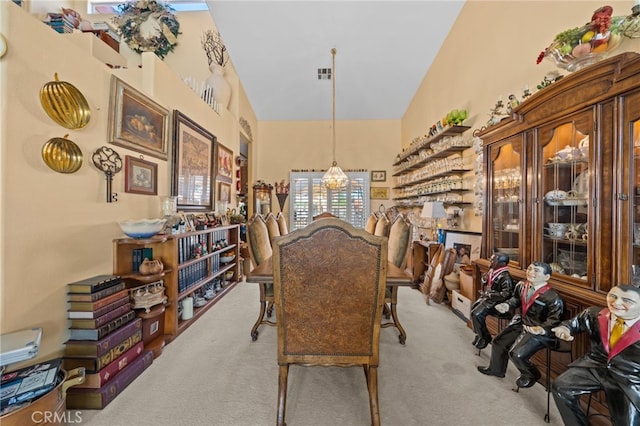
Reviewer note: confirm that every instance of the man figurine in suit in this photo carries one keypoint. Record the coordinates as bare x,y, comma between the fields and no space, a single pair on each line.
498,286
529,331
612,364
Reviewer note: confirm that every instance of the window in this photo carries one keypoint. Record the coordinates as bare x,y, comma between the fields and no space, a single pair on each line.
309,198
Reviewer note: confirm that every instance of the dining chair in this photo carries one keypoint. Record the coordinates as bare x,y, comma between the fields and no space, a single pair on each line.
324,215
398,253
329,284
370,225
272,225
260,250
282,224
382,226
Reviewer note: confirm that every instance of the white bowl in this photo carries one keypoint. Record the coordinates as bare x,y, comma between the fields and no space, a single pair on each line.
227,259
141,228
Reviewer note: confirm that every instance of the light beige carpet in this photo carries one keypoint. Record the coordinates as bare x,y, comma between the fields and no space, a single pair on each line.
213,374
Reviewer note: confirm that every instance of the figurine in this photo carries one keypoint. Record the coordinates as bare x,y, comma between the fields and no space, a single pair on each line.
513,102
498,286
529,331
613,361
496,114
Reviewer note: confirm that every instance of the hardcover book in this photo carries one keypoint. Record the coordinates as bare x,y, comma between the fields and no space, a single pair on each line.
83,398
93,284
92,297
104,345
99,333
100,303
73,314
93,364
101,320
100,378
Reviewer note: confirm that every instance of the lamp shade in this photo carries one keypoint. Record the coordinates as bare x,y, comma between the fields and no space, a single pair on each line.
433,209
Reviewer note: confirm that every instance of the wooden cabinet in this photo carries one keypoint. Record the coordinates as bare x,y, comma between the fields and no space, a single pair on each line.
562,184
194,262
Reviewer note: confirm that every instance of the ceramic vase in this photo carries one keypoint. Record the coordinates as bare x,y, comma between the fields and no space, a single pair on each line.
220,86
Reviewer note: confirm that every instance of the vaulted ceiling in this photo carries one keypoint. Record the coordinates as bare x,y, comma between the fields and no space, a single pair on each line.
384,50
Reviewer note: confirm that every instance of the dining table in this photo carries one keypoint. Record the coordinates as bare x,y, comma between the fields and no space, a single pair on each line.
396,277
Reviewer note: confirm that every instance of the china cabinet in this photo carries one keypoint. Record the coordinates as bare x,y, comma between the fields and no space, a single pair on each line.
199,268
563,186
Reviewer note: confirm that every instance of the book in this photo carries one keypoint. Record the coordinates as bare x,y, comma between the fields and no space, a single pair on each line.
101,377
28,383
72,314
93,306
102,331
92,297
92,323
93,284
83,398
104,345
97,363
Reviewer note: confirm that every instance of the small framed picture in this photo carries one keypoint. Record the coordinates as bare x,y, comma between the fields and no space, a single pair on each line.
378,176
224,192
141,176
379,193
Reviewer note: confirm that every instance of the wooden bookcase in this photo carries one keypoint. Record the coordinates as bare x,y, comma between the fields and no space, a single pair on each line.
184,274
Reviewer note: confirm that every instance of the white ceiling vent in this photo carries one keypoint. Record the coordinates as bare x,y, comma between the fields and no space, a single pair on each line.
324,73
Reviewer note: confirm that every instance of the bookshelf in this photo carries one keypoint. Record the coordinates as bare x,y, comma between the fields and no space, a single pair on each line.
196,266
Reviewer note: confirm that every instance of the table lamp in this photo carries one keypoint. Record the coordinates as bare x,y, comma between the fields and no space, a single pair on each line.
435,210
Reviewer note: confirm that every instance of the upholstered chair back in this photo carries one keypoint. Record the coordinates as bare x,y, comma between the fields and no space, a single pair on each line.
382,227
399,241
272,225
258,240
370,226
282,224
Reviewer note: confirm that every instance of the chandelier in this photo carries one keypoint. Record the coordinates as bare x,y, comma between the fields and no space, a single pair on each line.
334,178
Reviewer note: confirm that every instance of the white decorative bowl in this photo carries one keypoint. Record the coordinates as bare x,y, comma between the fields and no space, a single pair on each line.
142,228
227,259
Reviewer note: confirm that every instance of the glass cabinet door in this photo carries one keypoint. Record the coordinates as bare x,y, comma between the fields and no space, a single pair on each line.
565,192
505,191
631,145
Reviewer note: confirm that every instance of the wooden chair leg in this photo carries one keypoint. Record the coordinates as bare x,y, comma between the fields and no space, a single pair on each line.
254,330
282,394
372,385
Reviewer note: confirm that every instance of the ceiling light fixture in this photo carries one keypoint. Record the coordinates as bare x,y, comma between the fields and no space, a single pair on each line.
334,178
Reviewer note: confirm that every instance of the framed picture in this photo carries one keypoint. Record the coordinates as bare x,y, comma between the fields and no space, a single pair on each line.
224,164
141,176
193,161
378,176
224,192
466,244
136,122
379,193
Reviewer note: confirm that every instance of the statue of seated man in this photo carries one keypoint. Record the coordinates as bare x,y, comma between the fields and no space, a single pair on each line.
612,363
498,287
529,331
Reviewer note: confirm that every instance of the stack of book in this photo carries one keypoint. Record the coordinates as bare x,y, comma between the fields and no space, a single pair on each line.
105,339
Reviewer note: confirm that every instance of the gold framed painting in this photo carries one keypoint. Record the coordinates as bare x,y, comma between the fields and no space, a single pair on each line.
192,167
137,122
379,193
141,176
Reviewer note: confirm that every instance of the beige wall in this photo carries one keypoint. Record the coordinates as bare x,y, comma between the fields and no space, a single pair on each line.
58,228
491,52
